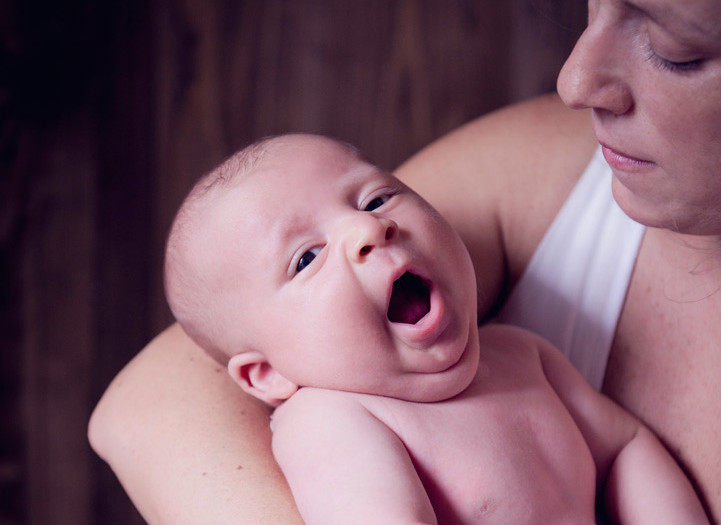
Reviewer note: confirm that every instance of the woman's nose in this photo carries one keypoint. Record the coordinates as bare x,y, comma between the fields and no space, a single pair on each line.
595,74
369,232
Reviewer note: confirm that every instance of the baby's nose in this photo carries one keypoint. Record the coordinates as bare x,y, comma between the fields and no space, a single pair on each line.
373,233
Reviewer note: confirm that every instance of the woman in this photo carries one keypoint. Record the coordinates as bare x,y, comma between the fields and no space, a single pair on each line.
650,71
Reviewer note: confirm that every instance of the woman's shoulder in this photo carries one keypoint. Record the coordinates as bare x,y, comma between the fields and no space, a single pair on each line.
535,145
501,178
543,149
536,133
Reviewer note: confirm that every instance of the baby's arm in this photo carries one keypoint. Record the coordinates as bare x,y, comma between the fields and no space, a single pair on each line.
640,482
344,465
631,498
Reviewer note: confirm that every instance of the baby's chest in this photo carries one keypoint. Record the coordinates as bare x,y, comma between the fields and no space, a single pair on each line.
482,456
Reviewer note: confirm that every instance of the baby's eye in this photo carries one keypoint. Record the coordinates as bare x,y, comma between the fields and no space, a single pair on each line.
376,203
306,259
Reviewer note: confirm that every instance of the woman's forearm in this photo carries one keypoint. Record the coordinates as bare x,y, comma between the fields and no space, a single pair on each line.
186,443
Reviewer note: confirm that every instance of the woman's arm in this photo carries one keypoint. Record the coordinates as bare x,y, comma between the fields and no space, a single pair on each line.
186,443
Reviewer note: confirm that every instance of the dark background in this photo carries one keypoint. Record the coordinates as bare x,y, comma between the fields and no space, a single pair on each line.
108,112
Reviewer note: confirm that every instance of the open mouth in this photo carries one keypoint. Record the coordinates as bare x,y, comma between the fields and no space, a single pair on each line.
410,300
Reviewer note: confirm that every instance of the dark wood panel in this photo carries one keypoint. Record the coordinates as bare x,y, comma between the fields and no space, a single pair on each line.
108,113
57,270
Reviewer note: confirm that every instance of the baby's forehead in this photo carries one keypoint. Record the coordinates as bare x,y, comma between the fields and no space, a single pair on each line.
300,160
279,168
302,150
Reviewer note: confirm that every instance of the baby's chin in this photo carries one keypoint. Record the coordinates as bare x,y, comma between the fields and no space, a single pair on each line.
438,393
434,388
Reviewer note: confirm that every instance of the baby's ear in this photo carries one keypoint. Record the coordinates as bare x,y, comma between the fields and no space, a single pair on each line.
257,377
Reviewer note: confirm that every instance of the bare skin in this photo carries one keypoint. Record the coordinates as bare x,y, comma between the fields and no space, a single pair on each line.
390,409
225,463
506,450
501,203
664,364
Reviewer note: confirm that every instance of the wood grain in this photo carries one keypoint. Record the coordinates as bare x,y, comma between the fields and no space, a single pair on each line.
108,113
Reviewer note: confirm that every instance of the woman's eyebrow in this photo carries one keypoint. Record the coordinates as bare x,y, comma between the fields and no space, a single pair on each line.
670,14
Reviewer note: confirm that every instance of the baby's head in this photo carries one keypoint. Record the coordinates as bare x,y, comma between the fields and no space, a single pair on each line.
192,287
298,263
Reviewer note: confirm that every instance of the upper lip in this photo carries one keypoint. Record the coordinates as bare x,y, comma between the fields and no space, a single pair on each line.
623,153
404,264
606,144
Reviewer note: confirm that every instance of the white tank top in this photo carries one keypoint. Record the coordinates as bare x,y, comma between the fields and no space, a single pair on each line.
573,289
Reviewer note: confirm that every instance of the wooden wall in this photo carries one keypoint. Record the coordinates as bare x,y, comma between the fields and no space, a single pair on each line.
109,111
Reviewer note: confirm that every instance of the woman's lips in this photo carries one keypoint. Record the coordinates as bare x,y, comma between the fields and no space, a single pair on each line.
623,162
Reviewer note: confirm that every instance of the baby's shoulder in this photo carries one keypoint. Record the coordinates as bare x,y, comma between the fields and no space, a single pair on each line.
312,407
310,400
508,340
316,417
509,356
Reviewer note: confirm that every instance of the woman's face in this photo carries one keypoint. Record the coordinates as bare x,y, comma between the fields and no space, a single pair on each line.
651,72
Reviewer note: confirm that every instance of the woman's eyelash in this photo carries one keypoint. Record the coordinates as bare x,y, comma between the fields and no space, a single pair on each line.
668,65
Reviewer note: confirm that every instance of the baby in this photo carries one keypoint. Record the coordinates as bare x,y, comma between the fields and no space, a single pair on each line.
336,294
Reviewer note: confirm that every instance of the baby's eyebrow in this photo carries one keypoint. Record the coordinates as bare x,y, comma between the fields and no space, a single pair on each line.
282,238
352,183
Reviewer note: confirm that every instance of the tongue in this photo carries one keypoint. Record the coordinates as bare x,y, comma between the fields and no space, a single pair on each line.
410,300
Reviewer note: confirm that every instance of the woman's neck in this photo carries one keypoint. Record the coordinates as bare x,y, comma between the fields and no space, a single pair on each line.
692,262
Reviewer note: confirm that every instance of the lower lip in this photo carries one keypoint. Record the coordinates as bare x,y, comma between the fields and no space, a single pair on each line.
429,328
621,162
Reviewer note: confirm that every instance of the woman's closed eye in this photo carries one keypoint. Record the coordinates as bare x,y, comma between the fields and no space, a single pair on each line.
670,65
307,258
